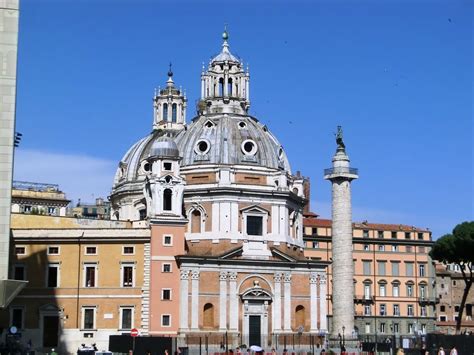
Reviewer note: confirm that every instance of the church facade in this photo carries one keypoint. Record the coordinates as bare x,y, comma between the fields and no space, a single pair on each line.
226,217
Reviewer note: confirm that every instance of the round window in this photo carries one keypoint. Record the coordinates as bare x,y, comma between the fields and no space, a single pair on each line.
147,167
249,147
242,125
202,147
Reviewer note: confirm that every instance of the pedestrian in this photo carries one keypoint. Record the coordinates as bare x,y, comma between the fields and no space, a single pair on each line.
166,352
53,352
323,352
453,351
441,351
400,351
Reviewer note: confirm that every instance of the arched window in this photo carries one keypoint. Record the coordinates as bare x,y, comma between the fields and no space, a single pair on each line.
221,87
300,318
208,316
174,113
142,214
165,112
167,194
196,221
229,87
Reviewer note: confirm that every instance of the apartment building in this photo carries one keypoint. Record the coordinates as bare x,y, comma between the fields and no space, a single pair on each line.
393,279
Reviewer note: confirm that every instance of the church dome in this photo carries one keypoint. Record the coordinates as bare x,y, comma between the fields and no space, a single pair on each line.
226,139
164,147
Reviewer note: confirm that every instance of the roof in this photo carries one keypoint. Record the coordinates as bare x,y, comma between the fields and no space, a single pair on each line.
327,223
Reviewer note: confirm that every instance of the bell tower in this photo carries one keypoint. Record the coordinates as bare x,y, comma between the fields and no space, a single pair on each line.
169,106
225,84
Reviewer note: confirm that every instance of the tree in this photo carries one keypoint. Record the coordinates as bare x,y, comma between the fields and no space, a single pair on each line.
458,248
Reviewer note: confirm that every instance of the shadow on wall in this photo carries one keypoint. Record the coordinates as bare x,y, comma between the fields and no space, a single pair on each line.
34,321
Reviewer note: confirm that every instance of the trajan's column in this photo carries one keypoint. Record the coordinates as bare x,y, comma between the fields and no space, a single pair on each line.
341,175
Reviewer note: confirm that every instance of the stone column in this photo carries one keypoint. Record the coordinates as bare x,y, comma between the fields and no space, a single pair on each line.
341,175
277,303
313,279
287,302
233,302
183,301
323,322
223,301
195,299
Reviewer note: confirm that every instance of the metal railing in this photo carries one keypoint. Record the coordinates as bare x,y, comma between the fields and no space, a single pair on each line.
34,186
341,170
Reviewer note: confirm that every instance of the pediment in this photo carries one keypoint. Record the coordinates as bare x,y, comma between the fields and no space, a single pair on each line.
254,209
281,255
230,254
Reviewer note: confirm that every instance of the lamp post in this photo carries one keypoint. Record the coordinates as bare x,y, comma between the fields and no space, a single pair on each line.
343,336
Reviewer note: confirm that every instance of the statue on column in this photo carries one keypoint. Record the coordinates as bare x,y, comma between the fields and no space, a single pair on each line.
339,139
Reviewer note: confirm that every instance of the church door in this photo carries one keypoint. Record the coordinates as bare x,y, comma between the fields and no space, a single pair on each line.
255,335
50,331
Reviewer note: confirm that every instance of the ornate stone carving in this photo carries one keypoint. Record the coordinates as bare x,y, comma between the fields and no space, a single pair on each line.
195,274
223,275
232,275
322,279
313,278
184,274
287,277
277,276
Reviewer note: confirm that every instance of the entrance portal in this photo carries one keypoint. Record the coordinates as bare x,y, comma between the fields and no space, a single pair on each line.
50,331
255,334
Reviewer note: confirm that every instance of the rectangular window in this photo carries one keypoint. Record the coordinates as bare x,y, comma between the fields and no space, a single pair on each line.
166,320
126,316
314,231
423,292
127,275
442,318
396,310
91,250
382,328
367,267
395,269
167,240
88,321
410,328
409,290
27,208
367,310
396,328
396,290
90,271
167,166
367,291
409,269
128,250
17,317
380,234
407,235
382,290
53,250
421,270
52,276
19,272
166,294
410,310
394,248
20,250
166,267
365,233
254,225
381,267
315,245
381,247
51,210
420,236
442,308
366,247
394,235
367,328
383,310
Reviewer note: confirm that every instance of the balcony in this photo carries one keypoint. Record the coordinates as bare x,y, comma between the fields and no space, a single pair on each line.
428,300
341,170
364,299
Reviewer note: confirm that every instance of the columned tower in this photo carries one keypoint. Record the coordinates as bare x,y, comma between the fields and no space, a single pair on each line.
341,175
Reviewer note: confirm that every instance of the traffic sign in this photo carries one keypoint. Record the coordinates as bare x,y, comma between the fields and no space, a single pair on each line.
134,332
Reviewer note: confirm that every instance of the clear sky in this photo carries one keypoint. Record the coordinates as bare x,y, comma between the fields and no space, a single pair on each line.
397,75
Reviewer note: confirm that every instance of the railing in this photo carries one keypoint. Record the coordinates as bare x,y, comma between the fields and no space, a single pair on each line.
364,298
426,300
341,170
34,186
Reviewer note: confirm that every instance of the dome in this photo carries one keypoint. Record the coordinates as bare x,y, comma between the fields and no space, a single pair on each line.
164,147
226,139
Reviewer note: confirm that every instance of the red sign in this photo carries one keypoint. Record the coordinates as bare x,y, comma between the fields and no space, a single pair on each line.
134,332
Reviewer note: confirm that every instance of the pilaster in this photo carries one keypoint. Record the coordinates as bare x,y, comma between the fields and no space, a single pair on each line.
277,303
313,279
287,301
184,301
233,302
194,299
223,300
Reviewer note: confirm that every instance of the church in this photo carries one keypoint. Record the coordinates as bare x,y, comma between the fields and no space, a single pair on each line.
225,215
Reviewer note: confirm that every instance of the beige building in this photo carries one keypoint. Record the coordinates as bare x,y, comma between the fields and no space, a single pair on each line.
85,280
449,290
39,199
393,278
100,209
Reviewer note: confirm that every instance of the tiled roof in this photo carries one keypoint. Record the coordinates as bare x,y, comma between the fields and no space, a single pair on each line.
325,223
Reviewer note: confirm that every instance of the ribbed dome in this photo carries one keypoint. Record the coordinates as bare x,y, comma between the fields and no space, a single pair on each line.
230,140
164,147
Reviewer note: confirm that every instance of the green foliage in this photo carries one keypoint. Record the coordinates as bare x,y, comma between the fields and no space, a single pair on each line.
456,247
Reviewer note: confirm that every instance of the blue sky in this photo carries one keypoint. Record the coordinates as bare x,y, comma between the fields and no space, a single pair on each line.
397,75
